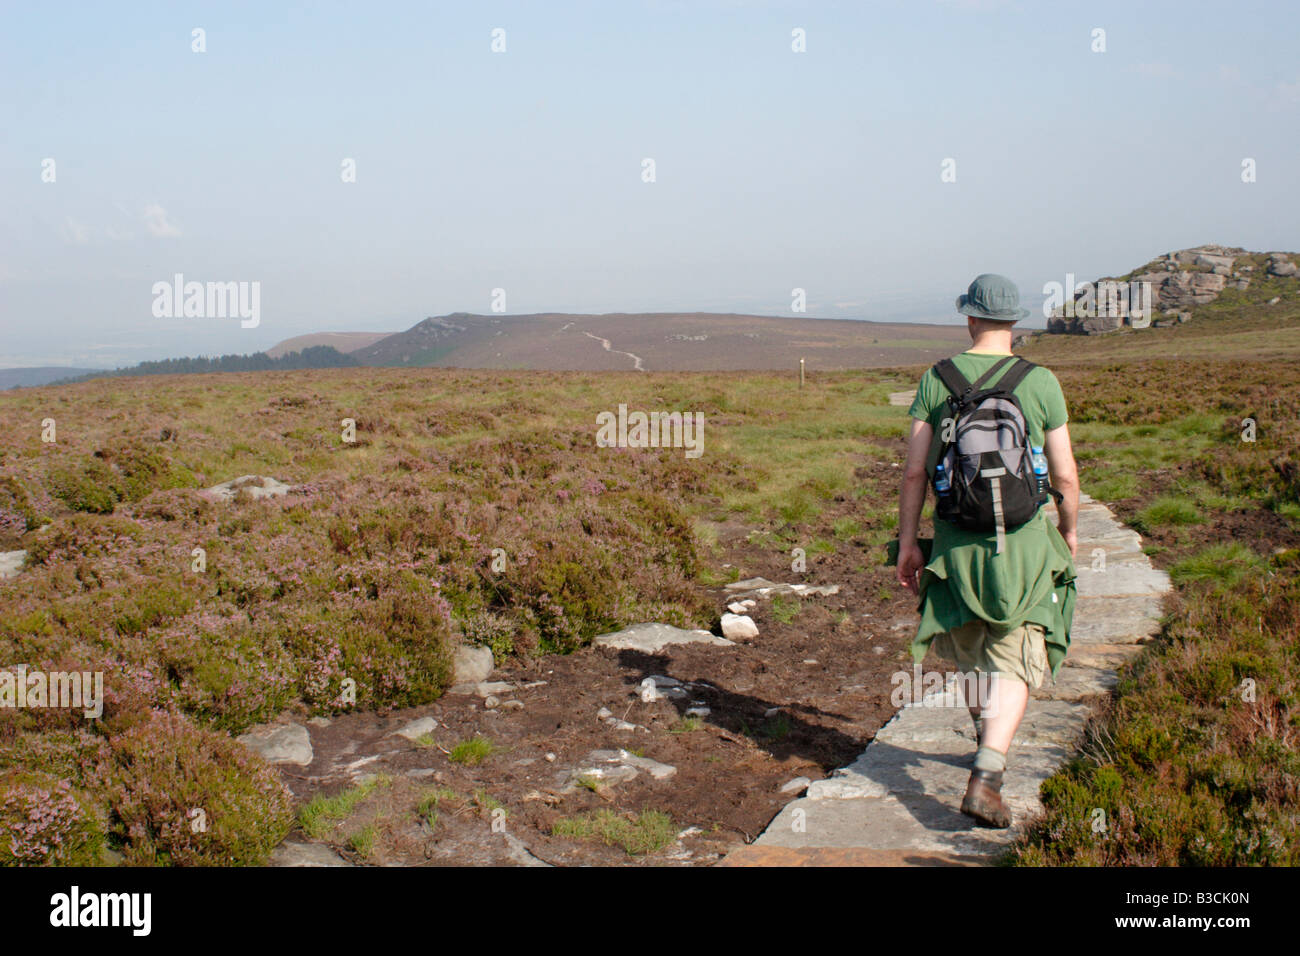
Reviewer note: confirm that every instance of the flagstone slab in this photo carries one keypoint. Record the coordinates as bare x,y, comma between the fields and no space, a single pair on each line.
1121,579
1101,655
1078,683
1101,619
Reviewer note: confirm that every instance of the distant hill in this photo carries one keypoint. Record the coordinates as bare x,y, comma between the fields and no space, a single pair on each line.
344,342
669,341
30,377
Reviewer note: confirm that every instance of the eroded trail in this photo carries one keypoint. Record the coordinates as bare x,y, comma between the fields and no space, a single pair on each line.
605,343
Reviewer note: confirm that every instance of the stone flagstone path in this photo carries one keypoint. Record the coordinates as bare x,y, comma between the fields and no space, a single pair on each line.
897,804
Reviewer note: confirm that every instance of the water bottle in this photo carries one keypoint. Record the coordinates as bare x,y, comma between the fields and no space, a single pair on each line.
941,483
1040,469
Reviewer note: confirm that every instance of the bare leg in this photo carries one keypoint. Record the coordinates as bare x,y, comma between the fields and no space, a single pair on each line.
1009,697
1005,708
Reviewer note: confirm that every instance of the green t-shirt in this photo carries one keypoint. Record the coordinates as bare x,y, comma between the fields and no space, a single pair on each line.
965,578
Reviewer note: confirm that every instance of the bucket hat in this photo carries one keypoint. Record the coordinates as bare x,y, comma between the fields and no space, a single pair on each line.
992,296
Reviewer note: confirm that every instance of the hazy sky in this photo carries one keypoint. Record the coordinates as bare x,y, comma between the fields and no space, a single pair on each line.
522,170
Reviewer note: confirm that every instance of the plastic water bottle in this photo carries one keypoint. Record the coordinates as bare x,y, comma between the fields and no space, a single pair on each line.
1040,468
941,483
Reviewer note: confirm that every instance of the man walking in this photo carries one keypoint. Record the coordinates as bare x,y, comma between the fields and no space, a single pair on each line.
996,592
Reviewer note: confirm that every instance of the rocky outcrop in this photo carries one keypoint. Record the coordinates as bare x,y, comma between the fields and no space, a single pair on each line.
1178,282
1280,265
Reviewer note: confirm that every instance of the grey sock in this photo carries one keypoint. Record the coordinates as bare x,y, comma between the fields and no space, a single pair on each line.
986,758
978,721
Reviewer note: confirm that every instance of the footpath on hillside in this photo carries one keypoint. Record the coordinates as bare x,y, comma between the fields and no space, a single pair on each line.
897,804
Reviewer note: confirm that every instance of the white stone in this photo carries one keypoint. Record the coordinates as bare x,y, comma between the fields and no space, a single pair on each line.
765,589
11,562
797,785
654,637
618,766
738,627
256,486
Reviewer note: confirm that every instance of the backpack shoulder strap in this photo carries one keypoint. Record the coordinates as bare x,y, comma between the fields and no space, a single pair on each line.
997,367
1015,375
952,379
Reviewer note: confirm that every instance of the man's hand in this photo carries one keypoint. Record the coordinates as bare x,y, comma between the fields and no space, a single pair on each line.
911,497
910,563
1065,479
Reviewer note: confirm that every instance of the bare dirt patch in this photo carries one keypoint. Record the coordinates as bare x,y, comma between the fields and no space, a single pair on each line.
803,698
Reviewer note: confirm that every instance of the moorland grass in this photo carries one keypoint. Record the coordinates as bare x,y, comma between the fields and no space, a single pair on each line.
637,835
383,556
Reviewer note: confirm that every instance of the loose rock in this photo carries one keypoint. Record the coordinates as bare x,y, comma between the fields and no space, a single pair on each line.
11,562
417,728
652,638
738,627
255,486
280,743
306,854
797,785
471,664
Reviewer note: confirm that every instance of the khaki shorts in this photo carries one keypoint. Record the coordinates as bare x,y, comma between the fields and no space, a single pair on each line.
1020,654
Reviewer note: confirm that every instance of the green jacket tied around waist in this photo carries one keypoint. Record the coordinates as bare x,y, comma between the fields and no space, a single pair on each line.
1030,581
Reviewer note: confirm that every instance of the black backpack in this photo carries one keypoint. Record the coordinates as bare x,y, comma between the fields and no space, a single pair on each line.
985,454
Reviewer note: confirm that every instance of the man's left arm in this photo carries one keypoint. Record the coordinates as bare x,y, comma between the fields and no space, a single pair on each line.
911,498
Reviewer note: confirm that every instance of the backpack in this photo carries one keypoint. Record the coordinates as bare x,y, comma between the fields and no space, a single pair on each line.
985,454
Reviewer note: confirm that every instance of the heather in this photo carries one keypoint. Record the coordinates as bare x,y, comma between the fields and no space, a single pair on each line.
1194,762
472,507
476,507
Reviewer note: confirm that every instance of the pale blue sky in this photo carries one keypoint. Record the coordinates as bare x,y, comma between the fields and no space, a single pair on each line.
522,169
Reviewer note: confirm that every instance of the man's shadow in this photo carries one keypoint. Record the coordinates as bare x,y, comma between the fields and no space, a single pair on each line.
787,734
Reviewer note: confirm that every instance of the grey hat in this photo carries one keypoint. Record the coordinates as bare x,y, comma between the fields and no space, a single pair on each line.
993,297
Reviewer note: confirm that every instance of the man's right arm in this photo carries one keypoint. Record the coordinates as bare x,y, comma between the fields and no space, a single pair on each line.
1065,479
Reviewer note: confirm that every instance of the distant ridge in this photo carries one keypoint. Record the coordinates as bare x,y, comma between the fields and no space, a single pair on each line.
659,341
344,342
43,375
